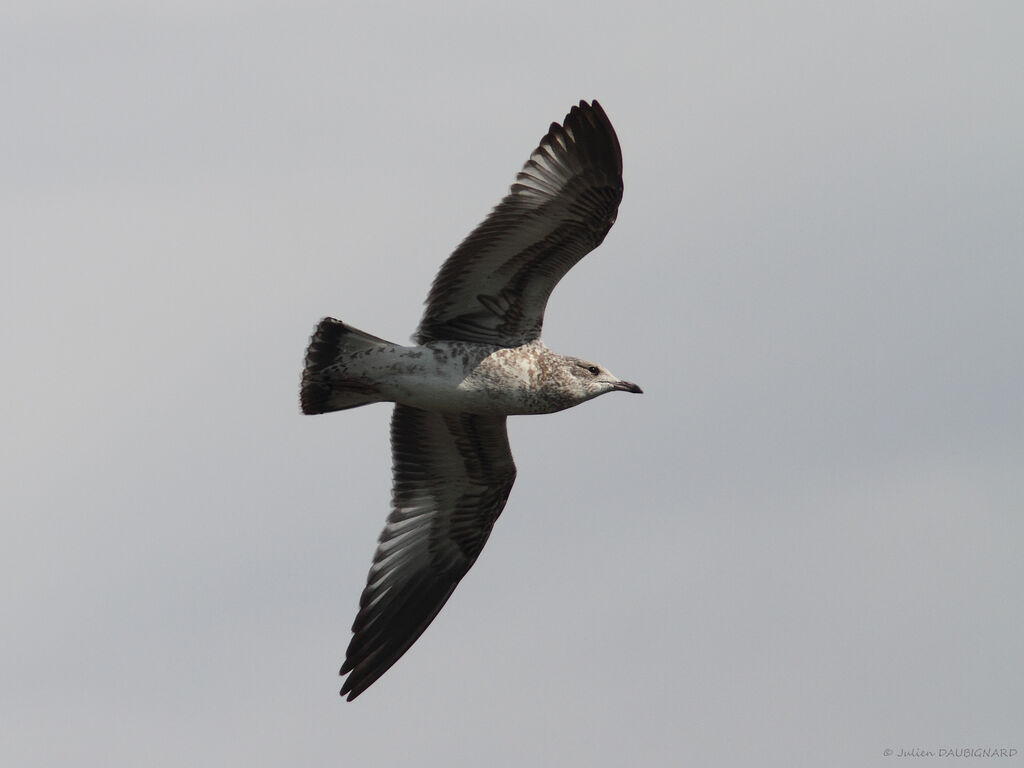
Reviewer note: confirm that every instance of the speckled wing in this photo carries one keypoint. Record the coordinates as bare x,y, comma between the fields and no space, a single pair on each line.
452,476
495,286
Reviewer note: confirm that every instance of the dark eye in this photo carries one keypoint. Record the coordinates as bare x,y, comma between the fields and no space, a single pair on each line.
594,369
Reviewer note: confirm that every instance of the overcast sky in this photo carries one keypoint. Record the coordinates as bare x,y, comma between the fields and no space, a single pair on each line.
801,545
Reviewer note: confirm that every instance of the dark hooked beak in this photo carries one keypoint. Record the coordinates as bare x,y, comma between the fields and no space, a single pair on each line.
628,386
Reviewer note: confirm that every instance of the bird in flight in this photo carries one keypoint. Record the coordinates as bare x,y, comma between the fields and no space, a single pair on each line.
478,358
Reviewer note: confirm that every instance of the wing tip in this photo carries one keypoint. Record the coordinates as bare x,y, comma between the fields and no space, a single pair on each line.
358,680
349,691
593,134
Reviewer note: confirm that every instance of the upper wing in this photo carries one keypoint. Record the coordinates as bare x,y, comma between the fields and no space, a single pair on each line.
452,475
496,284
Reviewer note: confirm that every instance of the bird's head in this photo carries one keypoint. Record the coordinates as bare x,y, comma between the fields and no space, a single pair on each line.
589,379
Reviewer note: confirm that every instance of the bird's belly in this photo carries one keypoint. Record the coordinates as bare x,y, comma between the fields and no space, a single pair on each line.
466,394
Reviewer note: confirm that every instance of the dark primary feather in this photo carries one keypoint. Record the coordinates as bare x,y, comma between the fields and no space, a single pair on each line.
495,286
452,476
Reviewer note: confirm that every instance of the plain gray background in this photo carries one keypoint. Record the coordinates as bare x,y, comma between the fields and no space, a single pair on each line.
801,546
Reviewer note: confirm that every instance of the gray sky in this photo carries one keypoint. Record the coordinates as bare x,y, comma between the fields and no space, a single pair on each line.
801,546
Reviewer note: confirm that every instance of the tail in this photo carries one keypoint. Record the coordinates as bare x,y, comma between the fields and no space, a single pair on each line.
325,386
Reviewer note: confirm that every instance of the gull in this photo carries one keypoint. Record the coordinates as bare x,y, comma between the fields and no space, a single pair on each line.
478,358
